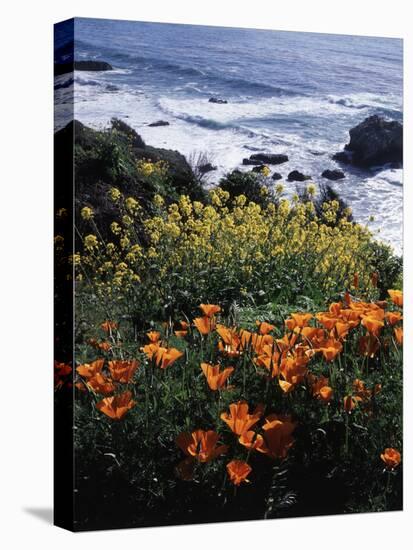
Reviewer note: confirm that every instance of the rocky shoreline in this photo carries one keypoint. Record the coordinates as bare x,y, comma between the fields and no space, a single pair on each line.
374,142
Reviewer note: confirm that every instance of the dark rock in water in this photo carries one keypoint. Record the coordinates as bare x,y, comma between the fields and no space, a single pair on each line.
269,158
376,141
251,162
205,168
217,100
259,169
159,123
343,157
333,175
92,66
276,176
295,175
62,68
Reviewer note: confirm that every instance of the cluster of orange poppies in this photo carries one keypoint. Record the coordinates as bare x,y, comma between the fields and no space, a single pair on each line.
156,351
285,360
120,372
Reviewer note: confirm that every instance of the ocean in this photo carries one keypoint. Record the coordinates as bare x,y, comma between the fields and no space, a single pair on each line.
287,92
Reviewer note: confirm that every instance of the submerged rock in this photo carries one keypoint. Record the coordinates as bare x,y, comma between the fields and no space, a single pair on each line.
333,175
269,158
159,123
295,175
217,100
376,141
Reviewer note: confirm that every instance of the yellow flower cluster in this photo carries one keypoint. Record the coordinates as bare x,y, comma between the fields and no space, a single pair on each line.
239,235
148,168
233,237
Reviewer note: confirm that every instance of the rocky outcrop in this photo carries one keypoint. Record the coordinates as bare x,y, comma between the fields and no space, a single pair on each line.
62,68
108,158
269,158
342,156
159,123
374,142
333,175
276,176
295,175
217,100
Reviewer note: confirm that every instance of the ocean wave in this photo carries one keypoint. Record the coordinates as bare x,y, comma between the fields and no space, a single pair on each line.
366,101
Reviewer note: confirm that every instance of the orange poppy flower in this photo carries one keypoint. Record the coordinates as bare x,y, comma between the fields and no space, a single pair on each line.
117,406
109,326
335,308
330,349
258,342
200,444
61,372
105,346
123,371
231,343
360,390
88,370
391,457
372,324
165,357
153,336
205,325
216,379
350,316
350,402
238,419
320,388
398,333
342,329
290,324
393,317
288,341
264,328
150,350
62,369
301,319
396,297
252,440
369,345
209,309
327,320
312,333
101,384
293,372
238,471
277,436
269,359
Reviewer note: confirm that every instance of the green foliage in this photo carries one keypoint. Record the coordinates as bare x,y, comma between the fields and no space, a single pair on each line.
249,184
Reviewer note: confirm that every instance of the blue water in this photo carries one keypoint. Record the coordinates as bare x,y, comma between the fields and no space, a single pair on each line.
287,92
